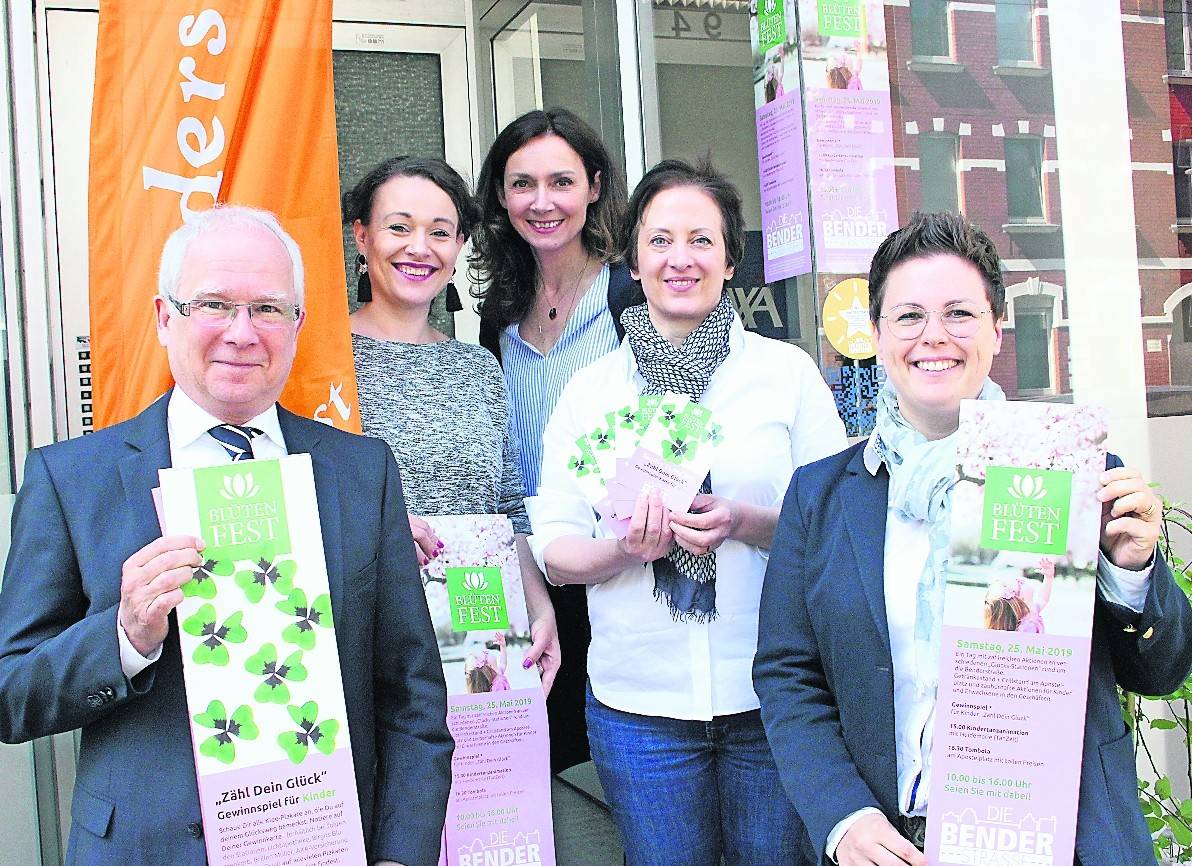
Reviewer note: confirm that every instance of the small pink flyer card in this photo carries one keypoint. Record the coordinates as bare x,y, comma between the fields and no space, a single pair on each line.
1016,638
499,810
269,722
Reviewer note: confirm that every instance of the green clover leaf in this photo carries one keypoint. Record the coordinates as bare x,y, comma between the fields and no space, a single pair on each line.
668,415
579,466
311,732
211,650
221,745
602,438
627,417
279,575
714,434
301,632
202,579
274,688
679,449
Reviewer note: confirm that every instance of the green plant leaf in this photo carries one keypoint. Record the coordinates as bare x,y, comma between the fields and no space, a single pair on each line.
1163,788
1155,824
1180,831
1162,724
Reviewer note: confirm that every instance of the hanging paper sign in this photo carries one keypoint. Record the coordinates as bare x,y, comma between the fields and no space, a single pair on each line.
499,811
846,319
781,160
850,139
268,718
1016,637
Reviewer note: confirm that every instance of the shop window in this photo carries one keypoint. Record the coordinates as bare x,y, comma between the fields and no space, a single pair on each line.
930,36
939,174
1015,31
1024,178
1176,17
1181,157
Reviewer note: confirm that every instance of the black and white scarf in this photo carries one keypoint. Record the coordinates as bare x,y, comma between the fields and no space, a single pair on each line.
686,583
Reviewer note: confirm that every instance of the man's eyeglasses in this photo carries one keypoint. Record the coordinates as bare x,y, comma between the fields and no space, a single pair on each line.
908,321
264,314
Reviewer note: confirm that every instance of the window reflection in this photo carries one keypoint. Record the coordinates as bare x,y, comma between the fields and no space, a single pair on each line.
929,28
538,62
1015,31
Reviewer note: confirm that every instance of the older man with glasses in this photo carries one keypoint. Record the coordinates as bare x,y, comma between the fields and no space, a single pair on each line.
87,639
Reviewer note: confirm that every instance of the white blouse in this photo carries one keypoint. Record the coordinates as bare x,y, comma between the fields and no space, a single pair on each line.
776,414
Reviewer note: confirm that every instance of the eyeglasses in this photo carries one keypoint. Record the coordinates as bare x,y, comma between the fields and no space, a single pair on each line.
908,321
216,313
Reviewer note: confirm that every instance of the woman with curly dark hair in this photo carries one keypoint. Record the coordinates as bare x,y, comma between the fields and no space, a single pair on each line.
552,201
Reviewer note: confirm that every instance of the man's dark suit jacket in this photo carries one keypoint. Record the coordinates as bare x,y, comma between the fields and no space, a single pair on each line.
84,508
825,679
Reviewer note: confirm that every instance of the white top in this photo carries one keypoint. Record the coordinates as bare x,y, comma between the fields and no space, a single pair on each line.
776,414
905,554
190,448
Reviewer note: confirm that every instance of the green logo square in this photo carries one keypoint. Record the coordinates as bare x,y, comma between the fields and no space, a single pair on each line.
840,18
477,597
1026,509
771,24
242,510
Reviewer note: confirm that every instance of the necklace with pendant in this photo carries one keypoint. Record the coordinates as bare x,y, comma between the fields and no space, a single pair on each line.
553,312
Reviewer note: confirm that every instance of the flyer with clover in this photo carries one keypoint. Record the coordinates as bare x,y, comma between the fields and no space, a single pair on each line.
1016,637
263,689
663,441
499,811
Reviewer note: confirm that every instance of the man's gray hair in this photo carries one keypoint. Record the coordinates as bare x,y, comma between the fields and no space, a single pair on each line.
169,272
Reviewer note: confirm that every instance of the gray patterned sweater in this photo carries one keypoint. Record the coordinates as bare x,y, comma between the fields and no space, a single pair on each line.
442,408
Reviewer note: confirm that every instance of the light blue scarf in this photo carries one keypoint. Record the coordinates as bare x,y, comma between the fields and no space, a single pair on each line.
922,475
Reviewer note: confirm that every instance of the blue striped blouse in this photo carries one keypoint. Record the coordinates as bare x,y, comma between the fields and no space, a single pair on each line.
535,380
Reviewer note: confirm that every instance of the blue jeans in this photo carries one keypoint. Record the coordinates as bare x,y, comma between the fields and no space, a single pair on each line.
686,793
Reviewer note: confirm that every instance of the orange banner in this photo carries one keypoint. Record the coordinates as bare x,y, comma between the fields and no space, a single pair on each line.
233,103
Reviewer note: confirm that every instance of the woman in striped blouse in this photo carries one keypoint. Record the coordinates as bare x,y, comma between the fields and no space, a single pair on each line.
552,202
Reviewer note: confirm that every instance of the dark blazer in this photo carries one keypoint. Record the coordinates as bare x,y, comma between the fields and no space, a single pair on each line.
824,675
83,509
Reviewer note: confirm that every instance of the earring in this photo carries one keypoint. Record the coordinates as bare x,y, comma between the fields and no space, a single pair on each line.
363,283
454,304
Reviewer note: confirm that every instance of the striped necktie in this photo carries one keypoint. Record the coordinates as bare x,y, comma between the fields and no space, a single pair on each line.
237,441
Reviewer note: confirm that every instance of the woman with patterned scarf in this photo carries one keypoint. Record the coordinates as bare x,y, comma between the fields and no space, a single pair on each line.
672,715
848,654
